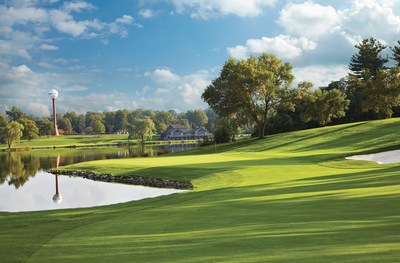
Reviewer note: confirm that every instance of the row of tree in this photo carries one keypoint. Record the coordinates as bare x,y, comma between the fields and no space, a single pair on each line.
253,96
137,123
259,90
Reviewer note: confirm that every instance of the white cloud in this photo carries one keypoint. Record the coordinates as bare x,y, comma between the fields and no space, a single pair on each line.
164,76
147,13
371,18
75,88
25,24
125,19
283,46
23,69
309,19
320,75
48,47
205,9
179,92
77,6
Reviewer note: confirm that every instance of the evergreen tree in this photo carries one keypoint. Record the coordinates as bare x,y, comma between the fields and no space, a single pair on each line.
396,53
368,61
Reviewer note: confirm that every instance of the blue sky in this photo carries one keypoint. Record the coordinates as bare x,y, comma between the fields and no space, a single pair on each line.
161,54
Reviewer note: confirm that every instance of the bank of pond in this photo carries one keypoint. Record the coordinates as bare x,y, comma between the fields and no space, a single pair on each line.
26,184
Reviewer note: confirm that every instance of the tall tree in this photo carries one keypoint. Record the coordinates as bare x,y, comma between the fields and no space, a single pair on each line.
30,130
143,128
121,120
396,53
98,127
109,121
328,105
65,124
383,92
162,119
12,133
254,87
45,127
15,114
368,61
197,117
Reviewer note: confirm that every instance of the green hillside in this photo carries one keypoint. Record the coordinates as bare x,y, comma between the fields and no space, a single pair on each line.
287,198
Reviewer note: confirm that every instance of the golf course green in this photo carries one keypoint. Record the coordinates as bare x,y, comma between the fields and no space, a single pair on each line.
289,197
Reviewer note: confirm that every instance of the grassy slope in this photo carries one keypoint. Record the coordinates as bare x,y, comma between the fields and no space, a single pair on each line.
287,198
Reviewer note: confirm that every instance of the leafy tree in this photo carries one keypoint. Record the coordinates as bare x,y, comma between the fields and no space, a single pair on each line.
212,117
15,114
65,124
368,61
383,92
142,129
30,130
197,117
77,121
45,127
396,53
185,123
135,115
162,119
98,127
121,120
109,121
327,105
254,87
3,123
12,133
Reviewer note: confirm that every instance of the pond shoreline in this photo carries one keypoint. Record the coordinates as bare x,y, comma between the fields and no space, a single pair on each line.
127,179
115,144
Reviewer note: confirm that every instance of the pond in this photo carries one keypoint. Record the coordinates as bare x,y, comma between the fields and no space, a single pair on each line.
26,186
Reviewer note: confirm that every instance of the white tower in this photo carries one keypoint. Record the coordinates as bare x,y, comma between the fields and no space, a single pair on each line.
53,95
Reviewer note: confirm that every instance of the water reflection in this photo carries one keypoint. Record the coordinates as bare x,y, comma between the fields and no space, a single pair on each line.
57,198
16,168
27,169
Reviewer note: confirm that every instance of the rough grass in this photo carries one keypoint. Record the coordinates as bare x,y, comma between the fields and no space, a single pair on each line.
287,198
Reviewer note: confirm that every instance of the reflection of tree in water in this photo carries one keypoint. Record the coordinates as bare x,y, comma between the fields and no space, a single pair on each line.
17,169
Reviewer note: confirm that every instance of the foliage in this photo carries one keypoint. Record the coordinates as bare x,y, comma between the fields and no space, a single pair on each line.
327,105
254,87
30,130
383,92
368,61
225,130
121,120
142,128
197,117
15,114
162,119
45,127
98,127
396,53
12,132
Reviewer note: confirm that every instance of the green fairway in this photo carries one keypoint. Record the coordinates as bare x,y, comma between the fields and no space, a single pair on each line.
287,198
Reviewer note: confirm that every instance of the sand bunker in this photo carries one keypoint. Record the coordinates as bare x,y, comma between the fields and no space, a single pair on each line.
381,158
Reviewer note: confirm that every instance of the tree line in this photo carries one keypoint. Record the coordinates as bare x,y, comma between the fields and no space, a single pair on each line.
138,123
252,96
259,91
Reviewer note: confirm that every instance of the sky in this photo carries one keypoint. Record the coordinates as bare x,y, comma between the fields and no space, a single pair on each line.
161,54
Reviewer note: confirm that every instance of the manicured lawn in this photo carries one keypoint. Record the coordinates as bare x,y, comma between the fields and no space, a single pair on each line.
287,198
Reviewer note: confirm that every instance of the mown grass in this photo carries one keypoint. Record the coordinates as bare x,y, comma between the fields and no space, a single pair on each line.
287,198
